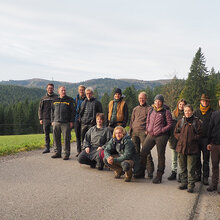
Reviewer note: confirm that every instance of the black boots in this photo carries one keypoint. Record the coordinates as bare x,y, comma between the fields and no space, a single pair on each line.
212,188
205,181
56,156
172,176
158,178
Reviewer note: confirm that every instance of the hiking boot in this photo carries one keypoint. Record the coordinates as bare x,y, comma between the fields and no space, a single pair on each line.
128,175
198,178
140,174
172,176
66,157
212,188
182,187
190,190
56,155
205,181
99,164
93,164
118,174
158,178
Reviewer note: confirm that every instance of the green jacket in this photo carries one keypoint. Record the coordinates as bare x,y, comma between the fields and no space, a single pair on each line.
125,149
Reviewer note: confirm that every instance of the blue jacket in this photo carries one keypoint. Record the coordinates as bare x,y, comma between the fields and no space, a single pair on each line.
78,102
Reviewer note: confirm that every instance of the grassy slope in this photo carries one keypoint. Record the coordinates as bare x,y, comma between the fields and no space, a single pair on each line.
11,144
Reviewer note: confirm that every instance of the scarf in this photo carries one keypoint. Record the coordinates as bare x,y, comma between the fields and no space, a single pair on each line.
204,109
157,109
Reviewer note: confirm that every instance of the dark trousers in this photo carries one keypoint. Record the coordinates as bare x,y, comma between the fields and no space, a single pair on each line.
77,126
215,156
84,129
88,158
138,138
46,128
149,143
187,165
204,165
63,128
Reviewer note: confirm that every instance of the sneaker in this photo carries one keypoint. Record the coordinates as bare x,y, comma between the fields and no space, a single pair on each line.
46,150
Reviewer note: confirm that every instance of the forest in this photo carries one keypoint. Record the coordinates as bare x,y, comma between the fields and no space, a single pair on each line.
19,107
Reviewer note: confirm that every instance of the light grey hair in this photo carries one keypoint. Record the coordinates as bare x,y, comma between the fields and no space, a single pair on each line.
89,89
143,93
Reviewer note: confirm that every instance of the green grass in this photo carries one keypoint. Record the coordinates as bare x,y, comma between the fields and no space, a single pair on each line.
11,144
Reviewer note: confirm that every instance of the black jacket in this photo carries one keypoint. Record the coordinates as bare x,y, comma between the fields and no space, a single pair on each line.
63,110
205,120
214,128
44,111
88,111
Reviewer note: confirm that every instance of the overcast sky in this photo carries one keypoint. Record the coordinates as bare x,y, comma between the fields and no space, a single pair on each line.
74,41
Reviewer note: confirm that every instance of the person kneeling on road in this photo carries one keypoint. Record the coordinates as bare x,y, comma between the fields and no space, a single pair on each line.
120,154
95,139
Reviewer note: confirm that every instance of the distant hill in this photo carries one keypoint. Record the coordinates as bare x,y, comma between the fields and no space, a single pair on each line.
102,84
10,94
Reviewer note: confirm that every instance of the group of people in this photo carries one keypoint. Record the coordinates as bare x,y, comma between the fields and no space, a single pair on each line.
103,140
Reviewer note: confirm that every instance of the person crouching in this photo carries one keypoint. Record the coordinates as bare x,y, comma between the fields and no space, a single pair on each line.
120,154
188,130
94,142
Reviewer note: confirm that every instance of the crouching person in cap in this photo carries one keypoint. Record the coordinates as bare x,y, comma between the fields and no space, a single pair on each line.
94,142
214,147
117,111
120,154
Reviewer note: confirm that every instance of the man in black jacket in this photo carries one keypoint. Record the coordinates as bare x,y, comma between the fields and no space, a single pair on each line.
62,118
88,110
204,113
214,147
44,114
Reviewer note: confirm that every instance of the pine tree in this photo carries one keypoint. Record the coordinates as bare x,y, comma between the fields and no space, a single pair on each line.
105,100
196,83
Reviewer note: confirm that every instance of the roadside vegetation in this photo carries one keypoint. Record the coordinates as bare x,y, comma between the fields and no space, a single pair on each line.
11,144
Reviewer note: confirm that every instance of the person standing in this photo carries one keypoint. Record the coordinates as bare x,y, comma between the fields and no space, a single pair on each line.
204,113
44,114
88,110
188,130
62,117
138,126
117,111
77,125
158,126
214,147
94,143
177,114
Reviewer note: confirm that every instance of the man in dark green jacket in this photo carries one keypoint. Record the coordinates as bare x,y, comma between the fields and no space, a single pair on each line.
121,155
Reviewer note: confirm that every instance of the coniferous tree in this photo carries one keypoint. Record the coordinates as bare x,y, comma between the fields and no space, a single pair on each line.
105,100
196,83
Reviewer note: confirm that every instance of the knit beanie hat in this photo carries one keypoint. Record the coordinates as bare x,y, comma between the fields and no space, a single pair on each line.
159,97
118,91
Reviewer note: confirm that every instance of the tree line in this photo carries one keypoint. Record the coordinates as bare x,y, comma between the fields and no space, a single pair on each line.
22,118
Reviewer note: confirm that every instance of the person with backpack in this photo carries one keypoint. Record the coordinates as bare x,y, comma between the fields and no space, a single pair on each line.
177,114
188,130
77,125
214,147
158,126
94,143
204,113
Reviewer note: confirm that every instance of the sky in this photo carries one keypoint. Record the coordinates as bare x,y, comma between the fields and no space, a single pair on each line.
75,41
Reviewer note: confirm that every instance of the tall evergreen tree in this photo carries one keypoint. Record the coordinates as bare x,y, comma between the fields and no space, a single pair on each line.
196,83
105,100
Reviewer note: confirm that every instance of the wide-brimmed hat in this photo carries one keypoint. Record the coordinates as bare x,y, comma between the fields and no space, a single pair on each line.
205,97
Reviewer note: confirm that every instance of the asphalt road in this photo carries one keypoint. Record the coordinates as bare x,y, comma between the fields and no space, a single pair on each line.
34,186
